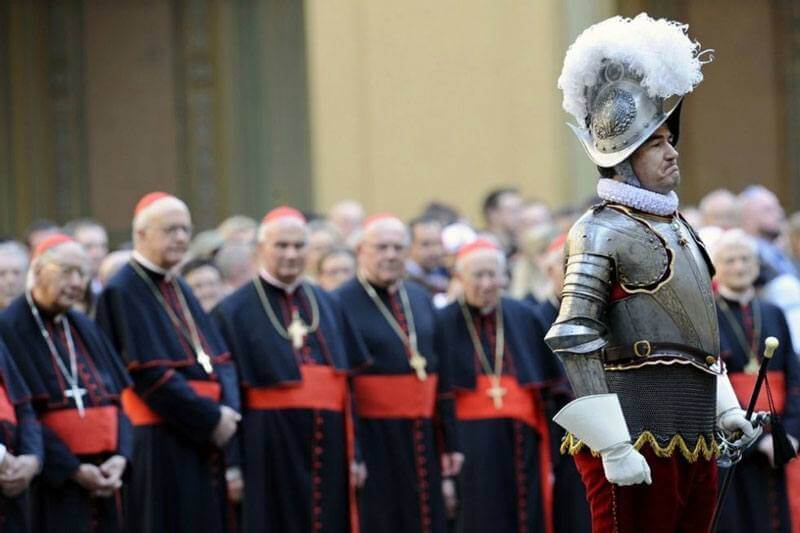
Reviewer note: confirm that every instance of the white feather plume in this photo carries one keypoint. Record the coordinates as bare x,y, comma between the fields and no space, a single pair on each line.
659,50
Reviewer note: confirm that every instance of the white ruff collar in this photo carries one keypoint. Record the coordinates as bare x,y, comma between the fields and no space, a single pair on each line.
637,198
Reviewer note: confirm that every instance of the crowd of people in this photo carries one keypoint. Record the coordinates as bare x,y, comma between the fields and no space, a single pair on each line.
340,372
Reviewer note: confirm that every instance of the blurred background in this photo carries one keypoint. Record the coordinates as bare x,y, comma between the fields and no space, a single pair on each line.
240,105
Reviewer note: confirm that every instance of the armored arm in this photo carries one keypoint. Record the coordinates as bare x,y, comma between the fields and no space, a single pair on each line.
577,334
578,338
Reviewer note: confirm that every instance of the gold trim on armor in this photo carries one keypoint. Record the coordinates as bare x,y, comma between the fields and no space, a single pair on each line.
670,253
570,446
665,362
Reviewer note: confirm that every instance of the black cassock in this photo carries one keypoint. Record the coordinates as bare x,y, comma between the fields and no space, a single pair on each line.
570,507
295,406
58,502
400,432
757,499
178,474
20,433
505,480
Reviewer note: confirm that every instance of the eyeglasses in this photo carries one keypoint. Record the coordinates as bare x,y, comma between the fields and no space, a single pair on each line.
67,271
177,228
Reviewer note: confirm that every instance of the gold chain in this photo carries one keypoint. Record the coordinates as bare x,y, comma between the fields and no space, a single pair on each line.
752,349
279,327
193,336
410,339
476,340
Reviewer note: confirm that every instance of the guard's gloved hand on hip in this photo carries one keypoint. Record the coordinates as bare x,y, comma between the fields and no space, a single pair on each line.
624,465
597,420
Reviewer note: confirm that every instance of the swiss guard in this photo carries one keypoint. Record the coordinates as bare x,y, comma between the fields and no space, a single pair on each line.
637,327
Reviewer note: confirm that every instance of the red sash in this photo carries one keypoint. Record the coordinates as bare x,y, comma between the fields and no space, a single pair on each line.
140,413
518,403
743,386
7,411
522,404
321,388
95,432
395,396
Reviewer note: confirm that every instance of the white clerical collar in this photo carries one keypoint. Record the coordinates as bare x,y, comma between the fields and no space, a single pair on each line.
742,298
289,288
149,265
637,198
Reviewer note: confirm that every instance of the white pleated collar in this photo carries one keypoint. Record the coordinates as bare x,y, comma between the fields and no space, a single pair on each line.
637,198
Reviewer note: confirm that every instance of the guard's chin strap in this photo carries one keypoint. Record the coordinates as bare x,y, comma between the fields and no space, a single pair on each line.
625,170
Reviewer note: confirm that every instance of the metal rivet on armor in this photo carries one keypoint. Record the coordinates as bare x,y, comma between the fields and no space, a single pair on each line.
624,143
711,360
614,147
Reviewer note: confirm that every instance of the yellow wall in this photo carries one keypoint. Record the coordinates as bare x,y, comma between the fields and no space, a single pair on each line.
417,100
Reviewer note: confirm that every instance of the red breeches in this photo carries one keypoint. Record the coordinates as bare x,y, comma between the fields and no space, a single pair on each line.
680,500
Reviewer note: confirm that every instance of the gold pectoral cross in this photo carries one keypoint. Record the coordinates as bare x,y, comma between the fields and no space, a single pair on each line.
418,363
297,330
496,392
205,361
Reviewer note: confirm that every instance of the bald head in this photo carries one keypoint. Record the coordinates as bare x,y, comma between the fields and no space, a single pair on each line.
762,214
382,251
347,216
719,208
283,248
237,263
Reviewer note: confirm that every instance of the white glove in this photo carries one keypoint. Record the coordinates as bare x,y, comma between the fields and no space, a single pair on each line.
599,422
734,420
624,465
730,415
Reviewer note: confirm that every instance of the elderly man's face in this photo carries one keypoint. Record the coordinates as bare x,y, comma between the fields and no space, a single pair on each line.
13,267
736,266
206,284
335,270
60,280
166,237
284,249
95,241
382,253
769,215
482,276
655,162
